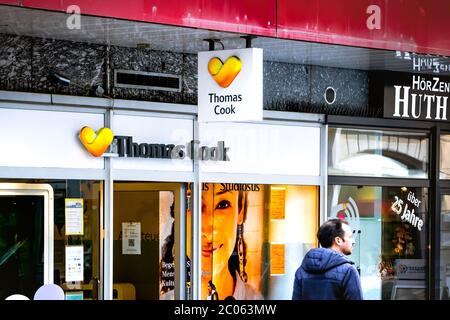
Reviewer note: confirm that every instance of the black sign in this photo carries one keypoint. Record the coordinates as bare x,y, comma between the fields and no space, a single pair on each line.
416,97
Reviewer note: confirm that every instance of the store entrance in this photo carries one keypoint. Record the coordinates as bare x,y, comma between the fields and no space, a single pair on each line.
26,253
146,216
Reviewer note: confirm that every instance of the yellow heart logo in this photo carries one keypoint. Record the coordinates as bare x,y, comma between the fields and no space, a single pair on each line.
96,142
224,73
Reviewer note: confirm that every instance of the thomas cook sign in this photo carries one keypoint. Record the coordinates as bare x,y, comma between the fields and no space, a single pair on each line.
230,85
417,97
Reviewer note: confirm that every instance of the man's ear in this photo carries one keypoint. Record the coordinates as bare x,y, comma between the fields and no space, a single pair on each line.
242,205
338,241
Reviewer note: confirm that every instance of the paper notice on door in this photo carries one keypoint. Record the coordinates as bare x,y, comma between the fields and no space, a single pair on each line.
277,260
74,216
131,238
277,202
74,263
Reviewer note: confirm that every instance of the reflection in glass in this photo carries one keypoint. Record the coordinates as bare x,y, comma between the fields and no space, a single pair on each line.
445,157
21,245
378,153
445,247
391,237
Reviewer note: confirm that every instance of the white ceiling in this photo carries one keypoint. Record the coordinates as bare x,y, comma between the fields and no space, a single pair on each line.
52,25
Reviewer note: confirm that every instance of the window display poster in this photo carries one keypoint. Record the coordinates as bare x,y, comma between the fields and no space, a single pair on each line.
277,202
167,242
74,216
74,263
239,242
131,238
232,241
277,260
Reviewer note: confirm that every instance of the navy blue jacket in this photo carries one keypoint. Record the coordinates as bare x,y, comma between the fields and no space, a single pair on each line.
326,274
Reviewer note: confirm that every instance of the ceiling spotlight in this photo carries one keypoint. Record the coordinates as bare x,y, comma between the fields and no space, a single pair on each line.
330,95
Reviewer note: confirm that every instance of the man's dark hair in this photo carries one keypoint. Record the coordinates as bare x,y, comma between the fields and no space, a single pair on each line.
330,230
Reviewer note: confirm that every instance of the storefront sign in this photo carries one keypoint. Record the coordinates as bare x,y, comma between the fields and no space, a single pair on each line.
74,216
406,212
410,268
230,85
74,263
131,238
193,149
98,142
416,97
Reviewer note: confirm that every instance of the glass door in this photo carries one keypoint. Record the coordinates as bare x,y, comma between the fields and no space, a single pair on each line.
147,241
26,238
445,245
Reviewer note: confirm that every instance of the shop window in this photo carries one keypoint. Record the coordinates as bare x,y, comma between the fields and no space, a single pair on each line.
445,247
77,236
76,246
254,237
445,157
358,152
390,226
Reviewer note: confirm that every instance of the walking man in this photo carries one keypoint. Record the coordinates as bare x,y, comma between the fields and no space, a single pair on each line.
326,273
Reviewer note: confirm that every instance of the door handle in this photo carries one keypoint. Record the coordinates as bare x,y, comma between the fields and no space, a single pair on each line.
95,284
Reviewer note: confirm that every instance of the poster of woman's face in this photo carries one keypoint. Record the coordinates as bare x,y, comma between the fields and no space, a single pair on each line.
253,234
231,237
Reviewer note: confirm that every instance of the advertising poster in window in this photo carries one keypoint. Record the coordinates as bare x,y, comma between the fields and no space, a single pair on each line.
167,241
242,243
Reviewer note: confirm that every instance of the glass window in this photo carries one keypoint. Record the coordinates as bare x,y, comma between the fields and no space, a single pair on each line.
445,247
254,238
358,152
391,237
445,157
22,235
21,244
85,237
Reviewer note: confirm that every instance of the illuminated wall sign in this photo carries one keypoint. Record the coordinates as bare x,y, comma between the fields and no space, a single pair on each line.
230,85
416,97
98,142
405,209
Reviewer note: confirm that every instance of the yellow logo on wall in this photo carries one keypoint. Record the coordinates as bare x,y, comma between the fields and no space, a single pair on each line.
224,73
96,142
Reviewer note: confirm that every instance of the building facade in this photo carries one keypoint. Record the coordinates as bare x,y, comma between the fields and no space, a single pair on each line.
159,203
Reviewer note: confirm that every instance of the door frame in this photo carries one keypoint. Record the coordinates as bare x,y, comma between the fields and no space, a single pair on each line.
179,190
46,191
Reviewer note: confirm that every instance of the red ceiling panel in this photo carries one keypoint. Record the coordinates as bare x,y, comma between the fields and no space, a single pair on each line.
408,25
244,16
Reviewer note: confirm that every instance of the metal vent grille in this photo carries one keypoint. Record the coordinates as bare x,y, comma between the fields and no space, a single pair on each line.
147,80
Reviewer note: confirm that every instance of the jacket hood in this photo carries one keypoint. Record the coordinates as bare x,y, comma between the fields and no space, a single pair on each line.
321,260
